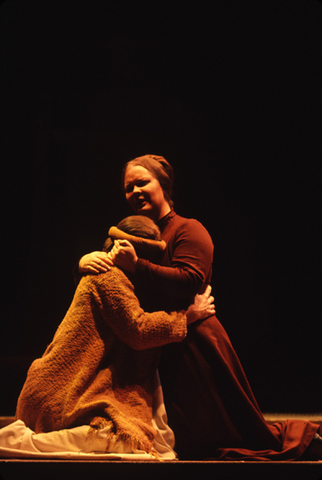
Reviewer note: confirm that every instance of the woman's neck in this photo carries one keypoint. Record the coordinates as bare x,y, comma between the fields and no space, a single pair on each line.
163,212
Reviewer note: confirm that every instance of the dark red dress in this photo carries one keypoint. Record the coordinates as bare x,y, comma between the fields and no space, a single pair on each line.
210,404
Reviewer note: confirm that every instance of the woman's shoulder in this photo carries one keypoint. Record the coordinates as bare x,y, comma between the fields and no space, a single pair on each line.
189,223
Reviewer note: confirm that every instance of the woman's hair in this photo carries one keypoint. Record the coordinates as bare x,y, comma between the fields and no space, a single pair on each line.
160,169
142,232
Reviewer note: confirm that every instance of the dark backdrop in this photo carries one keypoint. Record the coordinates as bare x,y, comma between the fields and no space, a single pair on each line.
230,93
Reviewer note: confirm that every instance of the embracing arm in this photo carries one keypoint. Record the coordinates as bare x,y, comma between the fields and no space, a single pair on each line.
121,310
187,268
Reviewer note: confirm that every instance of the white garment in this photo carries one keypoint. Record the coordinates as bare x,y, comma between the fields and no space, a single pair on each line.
18,441
164,440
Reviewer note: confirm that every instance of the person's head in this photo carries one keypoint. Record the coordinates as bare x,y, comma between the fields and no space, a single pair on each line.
142,232
147,182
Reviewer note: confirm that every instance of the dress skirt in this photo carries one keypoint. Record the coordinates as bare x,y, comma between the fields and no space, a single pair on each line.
212,408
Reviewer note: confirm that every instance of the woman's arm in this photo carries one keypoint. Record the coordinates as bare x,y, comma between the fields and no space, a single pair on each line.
189,262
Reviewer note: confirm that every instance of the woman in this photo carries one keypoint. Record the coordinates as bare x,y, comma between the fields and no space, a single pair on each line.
210,404
98,375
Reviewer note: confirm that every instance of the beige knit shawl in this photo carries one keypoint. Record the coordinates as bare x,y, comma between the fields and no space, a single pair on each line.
100,366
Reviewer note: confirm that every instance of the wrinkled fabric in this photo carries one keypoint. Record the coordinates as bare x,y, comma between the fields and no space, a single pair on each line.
19,441
209,401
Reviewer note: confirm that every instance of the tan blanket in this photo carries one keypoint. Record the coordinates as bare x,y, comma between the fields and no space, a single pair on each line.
99,368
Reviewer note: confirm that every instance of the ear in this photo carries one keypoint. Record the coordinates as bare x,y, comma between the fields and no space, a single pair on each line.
108,244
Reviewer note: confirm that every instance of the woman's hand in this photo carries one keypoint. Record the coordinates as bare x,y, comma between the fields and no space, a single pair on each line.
95,262
202,307
124,255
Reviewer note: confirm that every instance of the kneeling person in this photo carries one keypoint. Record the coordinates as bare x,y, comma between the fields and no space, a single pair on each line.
99,372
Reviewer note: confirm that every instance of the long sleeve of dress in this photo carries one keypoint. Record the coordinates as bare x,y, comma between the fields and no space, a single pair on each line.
187,264
121,310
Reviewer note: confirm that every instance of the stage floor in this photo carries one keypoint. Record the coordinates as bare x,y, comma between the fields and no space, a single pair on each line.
12,469
44,469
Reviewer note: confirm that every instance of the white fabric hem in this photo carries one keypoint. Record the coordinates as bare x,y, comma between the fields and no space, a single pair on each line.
18,441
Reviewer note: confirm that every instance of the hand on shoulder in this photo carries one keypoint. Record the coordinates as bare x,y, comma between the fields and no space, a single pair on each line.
95,262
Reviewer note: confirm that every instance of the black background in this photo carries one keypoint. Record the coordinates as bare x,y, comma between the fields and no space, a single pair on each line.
230,93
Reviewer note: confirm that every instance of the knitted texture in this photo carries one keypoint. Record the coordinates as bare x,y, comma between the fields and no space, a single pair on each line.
99,368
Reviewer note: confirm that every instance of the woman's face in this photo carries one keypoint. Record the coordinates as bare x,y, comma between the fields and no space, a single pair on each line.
144,193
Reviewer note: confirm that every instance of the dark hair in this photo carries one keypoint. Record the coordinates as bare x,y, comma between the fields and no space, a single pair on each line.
140,226
137,226
160,169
